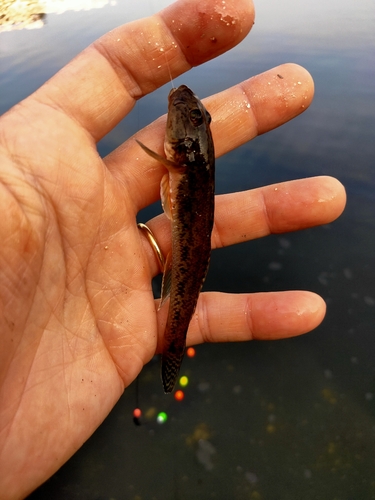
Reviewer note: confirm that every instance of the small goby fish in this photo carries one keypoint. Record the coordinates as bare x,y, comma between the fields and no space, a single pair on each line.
188,194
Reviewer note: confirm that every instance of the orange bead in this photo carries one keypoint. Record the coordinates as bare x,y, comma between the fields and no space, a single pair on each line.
137,413
179,395
190,352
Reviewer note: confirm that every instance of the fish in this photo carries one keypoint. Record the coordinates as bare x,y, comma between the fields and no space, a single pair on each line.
188,199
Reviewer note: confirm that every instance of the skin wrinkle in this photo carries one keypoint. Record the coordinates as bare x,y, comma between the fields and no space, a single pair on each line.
113,297
52,95
55,106
249,317
184,64
264,211
6,428
128,332
25,375
109,225
166,41
17,340
41,182
123,184
216,241
67,373
15,190
54,210
253,115
72,298
138,204
114,285
80,259
75,273
123,69
283,100
202,319
51,310
60,369
231,115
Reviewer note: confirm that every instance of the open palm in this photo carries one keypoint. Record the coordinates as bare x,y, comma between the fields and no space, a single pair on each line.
78,318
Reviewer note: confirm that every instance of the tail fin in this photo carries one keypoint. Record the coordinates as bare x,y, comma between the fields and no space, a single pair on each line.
170,368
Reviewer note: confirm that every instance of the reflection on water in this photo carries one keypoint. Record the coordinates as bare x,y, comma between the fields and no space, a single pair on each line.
289,419
31,14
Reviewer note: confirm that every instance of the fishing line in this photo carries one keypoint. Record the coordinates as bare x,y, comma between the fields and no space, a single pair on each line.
169,70
137,413
166,60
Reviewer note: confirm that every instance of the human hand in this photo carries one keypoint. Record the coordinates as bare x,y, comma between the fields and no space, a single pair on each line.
77,312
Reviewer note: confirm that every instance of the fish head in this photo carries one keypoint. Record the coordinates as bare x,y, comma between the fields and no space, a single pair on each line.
187,124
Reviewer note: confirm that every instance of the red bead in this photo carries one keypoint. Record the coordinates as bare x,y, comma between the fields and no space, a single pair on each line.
179,395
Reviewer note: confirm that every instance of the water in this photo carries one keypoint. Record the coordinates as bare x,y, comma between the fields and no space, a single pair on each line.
290,419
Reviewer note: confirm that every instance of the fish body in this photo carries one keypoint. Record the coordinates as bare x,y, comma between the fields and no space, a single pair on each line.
187,193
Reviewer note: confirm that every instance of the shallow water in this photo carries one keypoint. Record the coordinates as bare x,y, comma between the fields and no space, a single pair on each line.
289,419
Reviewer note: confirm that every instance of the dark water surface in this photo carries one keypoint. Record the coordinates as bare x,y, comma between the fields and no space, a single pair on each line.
292,419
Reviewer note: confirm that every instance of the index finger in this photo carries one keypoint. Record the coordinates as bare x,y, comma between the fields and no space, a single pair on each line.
100,86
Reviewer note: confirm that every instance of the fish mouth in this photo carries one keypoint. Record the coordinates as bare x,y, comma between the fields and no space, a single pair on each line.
182,91
177,101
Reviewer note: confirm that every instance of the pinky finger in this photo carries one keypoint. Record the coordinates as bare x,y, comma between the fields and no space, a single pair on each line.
221,317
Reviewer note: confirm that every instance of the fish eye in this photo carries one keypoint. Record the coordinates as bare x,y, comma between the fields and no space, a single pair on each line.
196,117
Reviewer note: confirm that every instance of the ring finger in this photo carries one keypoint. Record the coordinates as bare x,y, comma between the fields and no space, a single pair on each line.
278,208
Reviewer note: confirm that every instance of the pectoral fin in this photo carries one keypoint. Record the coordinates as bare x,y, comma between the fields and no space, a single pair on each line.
165,195
172,166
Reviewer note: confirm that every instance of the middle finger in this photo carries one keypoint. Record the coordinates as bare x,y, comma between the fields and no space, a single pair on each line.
239,114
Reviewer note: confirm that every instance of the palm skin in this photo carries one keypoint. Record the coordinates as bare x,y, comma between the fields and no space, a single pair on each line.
78,318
